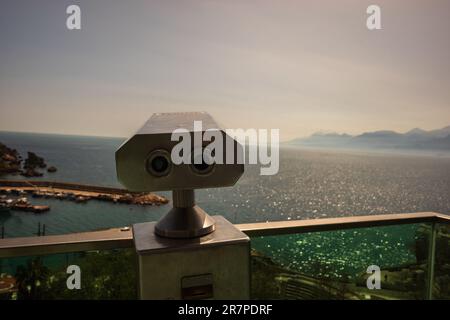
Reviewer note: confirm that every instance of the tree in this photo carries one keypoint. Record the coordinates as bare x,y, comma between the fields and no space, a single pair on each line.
32,280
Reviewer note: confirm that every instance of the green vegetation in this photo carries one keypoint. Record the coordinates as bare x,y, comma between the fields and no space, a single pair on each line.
442,263
32,280
104,275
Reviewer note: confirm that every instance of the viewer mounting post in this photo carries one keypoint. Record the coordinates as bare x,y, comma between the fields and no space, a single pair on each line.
185,219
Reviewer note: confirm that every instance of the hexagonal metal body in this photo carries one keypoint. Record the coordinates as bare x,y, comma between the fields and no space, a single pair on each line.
132,156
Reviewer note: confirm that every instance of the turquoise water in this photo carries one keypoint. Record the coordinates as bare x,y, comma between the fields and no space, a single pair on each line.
310,184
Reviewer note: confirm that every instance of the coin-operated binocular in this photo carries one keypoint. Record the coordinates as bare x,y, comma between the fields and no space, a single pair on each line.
150,161
180,257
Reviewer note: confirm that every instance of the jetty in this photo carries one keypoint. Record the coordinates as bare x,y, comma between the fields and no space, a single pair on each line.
79,193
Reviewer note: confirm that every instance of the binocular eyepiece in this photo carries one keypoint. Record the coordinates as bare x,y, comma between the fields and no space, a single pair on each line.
159,163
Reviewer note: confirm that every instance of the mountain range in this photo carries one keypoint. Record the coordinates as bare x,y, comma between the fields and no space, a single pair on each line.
415,139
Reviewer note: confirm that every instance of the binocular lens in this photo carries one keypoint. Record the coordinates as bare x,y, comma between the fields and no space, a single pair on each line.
202,167
158,164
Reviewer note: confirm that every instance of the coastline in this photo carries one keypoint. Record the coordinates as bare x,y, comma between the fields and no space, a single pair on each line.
70,191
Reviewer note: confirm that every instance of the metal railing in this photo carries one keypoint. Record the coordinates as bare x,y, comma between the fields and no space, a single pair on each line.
123,237
330,224
73,242
334,224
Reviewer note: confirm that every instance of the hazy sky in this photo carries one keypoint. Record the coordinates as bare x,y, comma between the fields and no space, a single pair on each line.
301,66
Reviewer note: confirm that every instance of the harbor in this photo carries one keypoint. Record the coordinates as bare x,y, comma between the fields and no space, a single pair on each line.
14,195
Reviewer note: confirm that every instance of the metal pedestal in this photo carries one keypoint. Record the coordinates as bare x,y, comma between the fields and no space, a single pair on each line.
215,266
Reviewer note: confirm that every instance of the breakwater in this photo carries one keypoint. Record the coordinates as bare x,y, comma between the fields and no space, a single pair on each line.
75,192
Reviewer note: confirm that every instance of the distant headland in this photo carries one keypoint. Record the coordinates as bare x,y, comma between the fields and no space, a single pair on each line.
415,139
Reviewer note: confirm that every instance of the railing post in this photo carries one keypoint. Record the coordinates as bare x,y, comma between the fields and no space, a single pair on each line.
431,260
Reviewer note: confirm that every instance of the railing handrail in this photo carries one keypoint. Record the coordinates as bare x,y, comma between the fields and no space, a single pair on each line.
73,242
330,224
123,238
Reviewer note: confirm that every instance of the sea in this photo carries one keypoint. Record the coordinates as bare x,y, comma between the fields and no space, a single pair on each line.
311,184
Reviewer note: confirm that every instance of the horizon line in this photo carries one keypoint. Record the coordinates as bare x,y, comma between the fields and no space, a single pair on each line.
288,140
62,134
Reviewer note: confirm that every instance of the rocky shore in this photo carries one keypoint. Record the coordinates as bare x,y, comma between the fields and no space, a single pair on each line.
11,162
